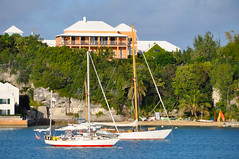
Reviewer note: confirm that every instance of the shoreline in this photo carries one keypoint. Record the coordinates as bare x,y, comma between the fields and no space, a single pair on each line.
23,123
181,123
156,123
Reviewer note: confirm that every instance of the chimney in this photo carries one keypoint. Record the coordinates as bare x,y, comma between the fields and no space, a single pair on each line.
84,19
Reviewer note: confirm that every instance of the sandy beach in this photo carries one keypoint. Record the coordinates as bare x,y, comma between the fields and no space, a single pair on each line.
177,123
180,123
158,123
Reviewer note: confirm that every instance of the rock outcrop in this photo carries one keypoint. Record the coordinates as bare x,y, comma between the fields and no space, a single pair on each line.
64,106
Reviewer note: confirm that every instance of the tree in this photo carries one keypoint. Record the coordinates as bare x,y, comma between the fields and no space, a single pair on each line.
194,103
221,78
205,47
192,77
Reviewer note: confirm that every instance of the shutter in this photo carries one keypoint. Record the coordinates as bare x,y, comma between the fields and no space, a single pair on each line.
0,112
8,101
0,101
8,112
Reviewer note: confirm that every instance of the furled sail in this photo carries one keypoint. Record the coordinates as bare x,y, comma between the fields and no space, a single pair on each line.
133,124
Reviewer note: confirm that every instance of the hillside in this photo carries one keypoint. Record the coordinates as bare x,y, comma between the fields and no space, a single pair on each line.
186,79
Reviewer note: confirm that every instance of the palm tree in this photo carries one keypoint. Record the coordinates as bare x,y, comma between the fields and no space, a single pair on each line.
204,108
193,103
130,86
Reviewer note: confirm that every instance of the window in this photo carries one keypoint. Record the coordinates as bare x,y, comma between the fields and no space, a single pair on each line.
121,54
83,41
93,40
4,101
103,40
5,112
112,40
73,40
156,50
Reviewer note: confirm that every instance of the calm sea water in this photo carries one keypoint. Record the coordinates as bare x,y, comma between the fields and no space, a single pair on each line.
187,142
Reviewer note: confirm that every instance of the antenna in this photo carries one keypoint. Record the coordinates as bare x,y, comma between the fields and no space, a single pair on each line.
33,30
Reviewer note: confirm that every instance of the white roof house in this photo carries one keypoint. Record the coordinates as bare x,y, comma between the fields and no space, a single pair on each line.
9,97
51,43
13,30
90,26
144,46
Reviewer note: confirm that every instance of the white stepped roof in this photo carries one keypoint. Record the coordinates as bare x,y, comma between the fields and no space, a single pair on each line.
13,29
85,25
123,27
144,46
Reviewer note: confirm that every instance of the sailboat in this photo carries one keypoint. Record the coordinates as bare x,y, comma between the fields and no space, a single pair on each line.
81,135
141,135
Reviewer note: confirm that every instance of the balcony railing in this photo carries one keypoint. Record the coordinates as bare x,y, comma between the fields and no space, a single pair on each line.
94,43
121,43
103,43
84,43
113,43
65,42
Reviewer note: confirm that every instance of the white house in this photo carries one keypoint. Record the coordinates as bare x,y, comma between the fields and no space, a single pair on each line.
50,43
144,46
13,30
9,98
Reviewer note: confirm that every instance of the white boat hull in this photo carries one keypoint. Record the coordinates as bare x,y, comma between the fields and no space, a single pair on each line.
83,142
145,135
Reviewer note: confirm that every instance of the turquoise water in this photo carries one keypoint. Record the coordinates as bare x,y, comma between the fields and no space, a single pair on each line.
187,142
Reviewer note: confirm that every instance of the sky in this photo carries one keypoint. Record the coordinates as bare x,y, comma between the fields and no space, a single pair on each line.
175,21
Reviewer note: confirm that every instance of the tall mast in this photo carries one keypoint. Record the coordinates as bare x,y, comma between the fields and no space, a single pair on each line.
135,82
88,87
50,113
86,102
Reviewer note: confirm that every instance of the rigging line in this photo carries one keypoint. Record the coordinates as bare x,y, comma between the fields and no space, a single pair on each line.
78,72
155,84
132,102
108,83
112,75
158,92
155,107
84,57
103,93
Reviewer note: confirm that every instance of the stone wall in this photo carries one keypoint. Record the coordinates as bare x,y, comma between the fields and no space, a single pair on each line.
64,106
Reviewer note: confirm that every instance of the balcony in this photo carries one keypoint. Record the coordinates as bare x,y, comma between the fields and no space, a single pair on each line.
103,43
113,43
94,43
65,42
84,43
122,43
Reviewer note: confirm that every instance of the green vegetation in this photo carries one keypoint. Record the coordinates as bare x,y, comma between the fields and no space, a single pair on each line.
99,114
185,79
